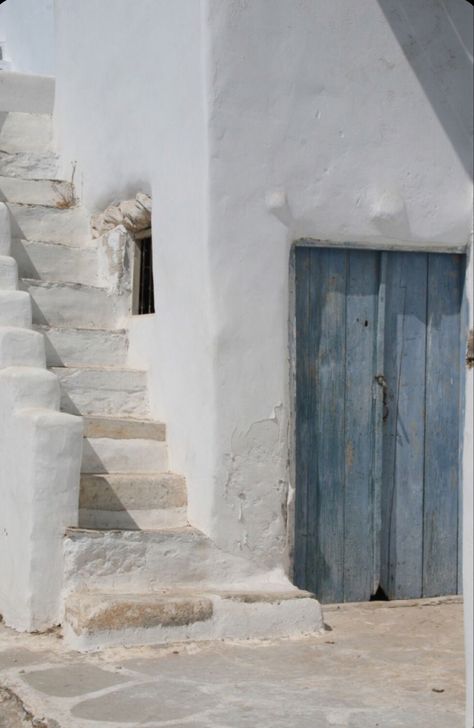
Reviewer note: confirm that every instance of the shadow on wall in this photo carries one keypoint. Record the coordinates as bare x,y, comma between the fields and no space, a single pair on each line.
437,41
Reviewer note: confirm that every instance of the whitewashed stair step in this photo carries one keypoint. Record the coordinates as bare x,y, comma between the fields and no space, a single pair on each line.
25,92
29,165
55,262
124,428
100,619
72,304
24,132
80,346
50,224
145,560
50,193
107,455
103,391
132,501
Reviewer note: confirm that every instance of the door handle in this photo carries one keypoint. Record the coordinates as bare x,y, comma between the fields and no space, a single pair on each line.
382,382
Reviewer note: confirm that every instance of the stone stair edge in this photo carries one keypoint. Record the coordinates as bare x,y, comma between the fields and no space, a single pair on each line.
47,327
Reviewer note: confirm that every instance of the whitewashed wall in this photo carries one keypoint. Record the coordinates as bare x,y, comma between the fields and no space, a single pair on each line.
133,117
252,129
27,27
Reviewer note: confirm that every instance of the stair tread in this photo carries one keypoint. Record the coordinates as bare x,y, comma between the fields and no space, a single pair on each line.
72,531
47,327
62,284
178,591
101,367
124,428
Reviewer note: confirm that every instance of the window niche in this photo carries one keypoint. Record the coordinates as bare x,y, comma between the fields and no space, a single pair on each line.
143,286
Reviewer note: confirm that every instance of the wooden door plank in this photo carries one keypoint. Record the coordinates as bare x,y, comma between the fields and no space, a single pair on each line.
361,330
403,459
320,376
306,387
442,481
379,397
328,331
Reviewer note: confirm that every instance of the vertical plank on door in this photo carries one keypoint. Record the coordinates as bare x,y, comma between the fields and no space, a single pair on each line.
403,442
361,330
379,397
320,419
442,482
305,435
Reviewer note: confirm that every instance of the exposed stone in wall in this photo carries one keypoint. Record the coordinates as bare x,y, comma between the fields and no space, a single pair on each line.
133,215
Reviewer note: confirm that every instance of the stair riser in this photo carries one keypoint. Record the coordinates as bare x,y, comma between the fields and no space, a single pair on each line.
29,165
66,347
56,263
228,620
124,429
21,132
134,562
103,392
37,192
73,305
133,520
104,455
50,225
132,492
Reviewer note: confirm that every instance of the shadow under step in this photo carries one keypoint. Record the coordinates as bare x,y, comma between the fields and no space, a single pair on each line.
122,445
131,501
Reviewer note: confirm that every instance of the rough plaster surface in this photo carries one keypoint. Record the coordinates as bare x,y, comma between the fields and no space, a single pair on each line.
376,665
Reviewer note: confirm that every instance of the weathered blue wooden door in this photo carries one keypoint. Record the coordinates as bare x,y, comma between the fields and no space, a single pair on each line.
378,413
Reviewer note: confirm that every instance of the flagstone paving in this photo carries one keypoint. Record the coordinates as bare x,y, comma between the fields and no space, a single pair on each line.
378,665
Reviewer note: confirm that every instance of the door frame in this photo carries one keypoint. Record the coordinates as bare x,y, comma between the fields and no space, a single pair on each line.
466,465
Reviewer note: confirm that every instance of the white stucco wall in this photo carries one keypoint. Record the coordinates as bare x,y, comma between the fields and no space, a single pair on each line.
252,129
27,27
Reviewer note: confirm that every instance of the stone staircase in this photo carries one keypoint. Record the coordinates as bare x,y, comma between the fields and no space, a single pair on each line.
135,571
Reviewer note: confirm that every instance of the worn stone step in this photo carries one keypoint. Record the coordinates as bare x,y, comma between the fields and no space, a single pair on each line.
50,224
78,346
26,93
103,391
124,428
132,501
23,132
56,263
136,561
108,455
94,620
29,165
45,192
72,304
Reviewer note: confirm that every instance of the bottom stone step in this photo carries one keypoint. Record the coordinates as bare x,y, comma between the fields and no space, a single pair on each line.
94,620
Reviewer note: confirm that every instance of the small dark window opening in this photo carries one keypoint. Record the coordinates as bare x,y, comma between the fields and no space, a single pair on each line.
146,296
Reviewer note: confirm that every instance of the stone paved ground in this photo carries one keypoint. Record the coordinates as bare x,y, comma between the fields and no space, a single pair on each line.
380,665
